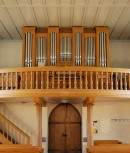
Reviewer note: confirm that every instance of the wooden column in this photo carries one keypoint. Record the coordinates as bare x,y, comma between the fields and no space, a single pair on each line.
89,103
39,102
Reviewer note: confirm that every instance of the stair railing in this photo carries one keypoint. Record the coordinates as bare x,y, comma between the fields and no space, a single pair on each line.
12,132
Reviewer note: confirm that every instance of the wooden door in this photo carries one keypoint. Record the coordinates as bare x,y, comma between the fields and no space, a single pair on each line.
65,130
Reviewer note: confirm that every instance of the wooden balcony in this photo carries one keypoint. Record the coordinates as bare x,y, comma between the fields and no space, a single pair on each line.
64,81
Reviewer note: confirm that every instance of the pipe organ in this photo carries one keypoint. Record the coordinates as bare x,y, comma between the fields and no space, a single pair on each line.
56,46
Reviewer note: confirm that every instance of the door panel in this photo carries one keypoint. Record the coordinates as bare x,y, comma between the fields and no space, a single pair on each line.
65,130
73,142
56,131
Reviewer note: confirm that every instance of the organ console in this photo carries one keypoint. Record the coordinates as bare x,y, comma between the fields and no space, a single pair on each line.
56,46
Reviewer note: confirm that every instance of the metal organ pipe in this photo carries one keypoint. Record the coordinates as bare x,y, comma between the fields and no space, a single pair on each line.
51,58
69,49
102,49
26,49
90,51
78,50
55,49
94,58
41,50
65,48
105,51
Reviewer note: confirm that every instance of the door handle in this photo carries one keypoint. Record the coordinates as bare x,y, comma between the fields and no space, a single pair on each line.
64,135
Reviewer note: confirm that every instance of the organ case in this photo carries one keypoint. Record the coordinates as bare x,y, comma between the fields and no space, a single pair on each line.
55,46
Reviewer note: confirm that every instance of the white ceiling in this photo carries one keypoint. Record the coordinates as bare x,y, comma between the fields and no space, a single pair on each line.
14,14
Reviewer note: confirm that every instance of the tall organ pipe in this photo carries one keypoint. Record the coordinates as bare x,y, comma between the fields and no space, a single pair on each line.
55,48
105,51
91,54
51,48
100,51
26,49
94,58
80,48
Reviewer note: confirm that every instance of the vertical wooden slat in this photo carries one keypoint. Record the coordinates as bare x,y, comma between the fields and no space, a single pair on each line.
11,80
26,80
81,80
41,79
16,80
129,81
52,80
36,79
7,81
125,82
101,80
86,80
91,80
96,80
2,81
69,79
21,85
120,81
31,80
111,80
75,83
58,73
107,81
47,82
64,82
116,81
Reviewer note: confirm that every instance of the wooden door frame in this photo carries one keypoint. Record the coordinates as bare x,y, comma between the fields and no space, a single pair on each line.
80,117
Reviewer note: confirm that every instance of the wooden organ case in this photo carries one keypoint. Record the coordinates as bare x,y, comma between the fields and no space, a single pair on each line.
56,46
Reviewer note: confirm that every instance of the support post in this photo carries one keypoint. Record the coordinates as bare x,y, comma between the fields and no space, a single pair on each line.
89,103
39,103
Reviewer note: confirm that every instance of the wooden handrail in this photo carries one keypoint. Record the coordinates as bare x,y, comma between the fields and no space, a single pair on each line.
75,77
10,130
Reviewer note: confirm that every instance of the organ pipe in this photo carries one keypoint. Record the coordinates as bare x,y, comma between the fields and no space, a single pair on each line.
41,50
28,49
90,51
78,49
102,49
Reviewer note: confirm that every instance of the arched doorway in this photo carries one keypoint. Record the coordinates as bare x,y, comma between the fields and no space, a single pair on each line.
65,130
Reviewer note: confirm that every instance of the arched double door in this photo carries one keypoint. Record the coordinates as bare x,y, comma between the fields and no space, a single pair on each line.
64,130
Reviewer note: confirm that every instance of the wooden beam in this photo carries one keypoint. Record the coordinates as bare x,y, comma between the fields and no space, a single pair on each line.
39,103
89,103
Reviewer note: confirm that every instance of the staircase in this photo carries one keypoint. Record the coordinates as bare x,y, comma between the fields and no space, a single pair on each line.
11,134
12,129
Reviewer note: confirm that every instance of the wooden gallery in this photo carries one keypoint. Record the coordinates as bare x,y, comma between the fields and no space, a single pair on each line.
64,96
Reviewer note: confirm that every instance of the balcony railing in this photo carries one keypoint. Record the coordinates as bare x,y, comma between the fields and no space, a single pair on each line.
65,78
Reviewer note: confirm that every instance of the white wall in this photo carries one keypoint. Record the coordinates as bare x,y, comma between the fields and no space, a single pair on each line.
11,54
113,119
119,54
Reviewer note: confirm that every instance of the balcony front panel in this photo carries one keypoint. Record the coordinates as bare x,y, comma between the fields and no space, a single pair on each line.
70,79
